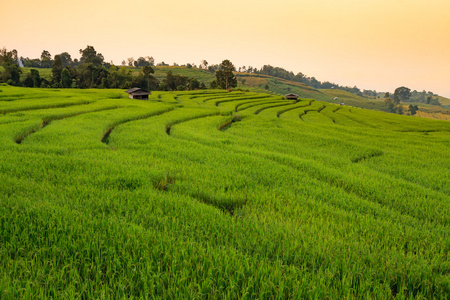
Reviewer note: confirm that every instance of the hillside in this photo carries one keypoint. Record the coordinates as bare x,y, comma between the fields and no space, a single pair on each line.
282,87
445,102
268,84
216,194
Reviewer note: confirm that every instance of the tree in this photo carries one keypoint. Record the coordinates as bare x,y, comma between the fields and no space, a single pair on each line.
150,60
28,82
224,76
46,59
66,78
141,62
314,82
121,78
31,63
35,77
56,70
413,109
89,55
386,95
194,84
66,59
401,94
175,82
204,64
147,70
15,56
130,61
170,81
11,73
151,82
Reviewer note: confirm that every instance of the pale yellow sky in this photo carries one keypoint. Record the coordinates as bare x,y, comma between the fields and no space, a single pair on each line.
373,44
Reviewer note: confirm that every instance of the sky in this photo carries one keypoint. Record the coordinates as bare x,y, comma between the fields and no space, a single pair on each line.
373,44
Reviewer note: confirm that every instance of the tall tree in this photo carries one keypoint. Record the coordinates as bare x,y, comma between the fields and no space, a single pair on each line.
401,94
66,59
11,73
35,77
57,68
46,59
225,78
66,78
141,62
151,82
150,60
15,56
90,55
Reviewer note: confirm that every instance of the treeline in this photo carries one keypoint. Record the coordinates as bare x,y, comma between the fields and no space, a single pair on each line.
421,97
301,78
424,97
90,71
289,75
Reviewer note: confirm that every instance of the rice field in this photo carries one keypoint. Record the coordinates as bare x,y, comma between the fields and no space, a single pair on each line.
216,194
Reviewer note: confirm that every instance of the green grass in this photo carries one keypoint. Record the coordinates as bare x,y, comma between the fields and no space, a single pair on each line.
45,73
257,83
200,74
213,194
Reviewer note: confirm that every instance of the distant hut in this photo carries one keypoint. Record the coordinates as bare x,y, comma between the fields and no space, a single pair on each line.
291,96
138,93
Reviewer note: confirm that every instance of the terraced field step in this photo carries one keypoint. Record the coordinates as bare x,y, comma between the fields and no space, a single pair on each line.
34,105
105,137
47,122
253,108
301,104
274,106
189,118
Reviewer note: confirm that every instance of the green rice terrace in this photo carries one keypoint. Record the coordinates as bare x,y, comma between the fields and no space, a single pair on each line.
219,195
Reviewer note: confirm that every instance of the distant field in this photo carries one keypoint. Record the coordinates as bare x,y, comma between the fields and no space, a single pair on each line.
444,101
267,84
45,73
282,87
201,75
216,194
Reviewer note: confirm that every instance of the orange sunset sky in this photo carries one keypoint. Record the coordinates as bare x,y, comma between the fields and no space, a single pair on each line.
373,44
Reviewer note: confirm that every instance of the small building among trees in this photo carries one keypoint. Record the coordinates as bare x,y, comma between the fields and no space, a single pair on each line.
291,96
138,93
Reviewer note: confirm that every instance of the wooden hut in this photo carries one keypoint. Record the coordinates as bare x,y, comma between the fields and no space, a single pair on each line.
291,96
138,93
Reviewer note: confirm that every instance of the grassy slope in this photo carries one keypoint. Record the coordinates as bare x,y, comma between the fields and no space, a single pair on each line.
283,87
200,74
118,198
279,86
445,102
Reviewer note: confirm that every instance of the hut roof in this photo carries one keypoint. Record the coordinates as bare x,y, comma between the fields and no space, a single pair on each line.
137,91
291,95
140,93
